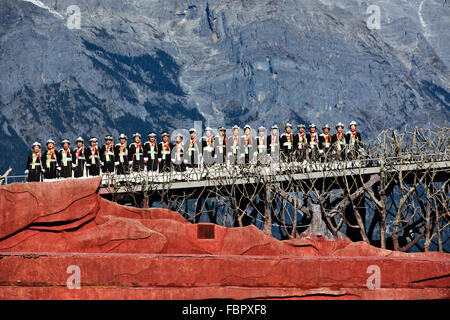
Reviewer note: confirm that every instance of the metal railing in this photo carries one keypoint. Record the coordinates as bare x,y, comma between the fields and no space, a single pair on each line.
294,166
389,148
13,179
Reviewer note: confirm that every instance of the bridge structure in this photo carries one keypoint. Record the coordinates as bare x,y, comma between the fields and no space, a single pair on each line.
394,195
192,182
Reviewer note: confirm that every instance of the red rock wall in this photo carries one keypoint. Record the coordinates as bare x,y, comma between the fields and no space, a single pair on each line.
46,227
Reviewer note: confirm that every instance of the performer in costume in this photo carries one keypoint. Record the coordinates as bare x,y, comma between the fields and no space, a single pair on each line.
136,154
325,143
338,141
107,156
234,147
93,158
193,150
121,155
178,154
248,145
34,164
220,144
261,145
287,143
354,141
79,159
301,143
151,153
65,160
313,143
164,153
50,161
273,144
208,147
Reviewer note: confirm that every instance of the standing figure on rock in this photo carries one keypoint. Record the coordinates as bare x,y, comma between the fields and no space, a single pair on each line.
164,153
220,144
313,143
178,154
338,141
50,161
193,149
121,155
151,153
273,144
136,154
79,159
93,158
261,145
34,164
325,143
287,143
107,155
301,143
248,145
65,160
354,141
208,147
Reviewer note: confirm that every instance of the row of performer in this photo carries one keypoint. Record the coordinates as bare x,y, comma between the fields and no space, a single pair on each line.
163,156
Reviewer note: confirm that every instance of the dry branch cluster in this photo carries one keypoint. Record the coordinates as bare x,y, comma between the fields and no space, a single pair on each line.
394,196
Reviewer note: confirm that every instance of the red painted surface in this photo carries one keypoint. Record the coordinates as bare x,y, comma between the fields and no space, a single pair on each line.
130,253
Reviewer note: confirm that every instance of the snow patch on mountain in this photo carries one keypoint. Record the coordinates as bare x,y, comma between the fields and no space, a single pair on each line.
43,6
422,21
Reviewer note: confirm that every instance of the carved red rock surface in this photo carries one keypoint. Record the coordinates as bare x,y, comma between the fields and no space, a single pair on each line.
127,252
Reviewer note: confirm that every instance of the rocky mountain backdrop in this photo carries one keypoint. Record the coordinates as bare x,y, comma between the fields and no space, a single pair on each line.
142,65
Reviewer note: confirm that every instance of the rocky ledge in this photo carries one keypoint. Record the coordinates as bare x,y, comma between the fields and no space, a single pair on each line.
130,253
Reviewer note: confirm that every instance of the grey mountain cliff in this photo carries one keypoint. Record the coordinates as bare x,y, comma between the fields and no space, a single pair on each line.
151,65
